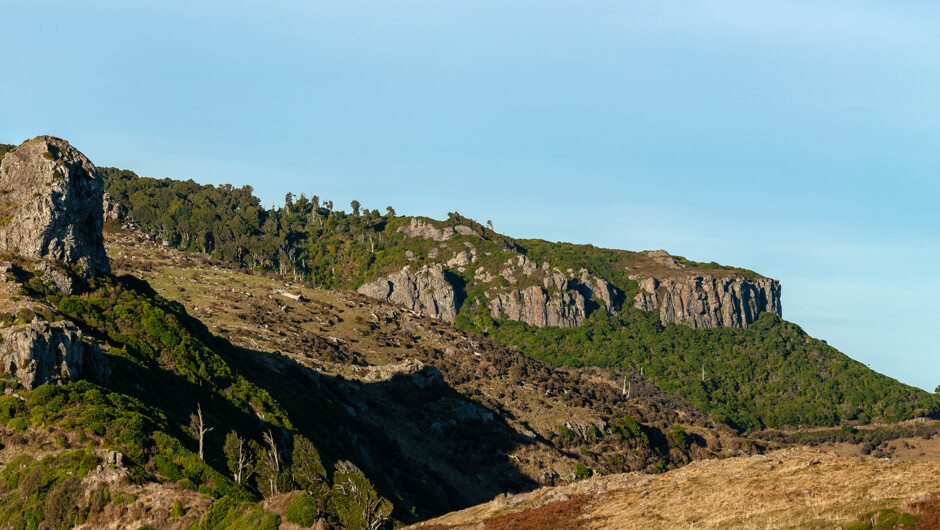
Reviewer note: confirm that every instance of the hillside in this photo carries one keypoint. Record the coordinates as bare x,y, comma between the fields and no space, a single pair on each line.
709,334
792,488
253,401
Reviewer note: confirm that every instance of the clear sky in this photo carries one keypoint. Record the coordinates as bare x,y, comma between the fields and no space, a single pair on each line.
798,139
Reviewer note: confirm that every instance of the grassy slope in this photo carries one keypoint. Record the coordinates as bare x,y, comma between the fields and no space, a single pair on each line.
796,488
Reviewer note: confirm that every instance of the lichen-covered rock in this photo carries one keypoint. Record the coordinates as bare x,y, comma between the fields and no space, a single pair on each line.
709,302
43,352
426,291
536,307
51,205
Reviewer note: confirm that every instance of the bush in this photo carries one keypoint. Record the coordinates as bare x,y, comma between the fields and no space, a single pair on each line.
582,471
302,510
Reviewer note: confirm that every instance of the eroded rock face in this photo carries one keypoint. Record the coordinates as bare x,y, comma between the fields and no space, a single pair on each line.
43,352
708,302
419,228
51,205
536,307
426,291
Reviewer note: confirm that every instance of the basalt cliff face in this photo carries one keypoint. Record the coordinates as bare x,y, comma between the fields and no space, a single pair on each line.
51,205
709,302
540,294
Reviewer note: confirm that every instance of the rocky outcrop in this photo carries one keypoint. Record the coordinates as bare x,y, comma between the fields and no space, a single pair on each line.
47,352
426,291
709,302
51,205
534,306
419,228
562,300
113,210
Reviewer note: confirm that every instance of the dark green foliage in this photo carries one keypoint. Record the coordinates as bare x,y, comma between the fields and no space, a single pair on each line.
678,439
308,471
769,375
627,428
218,512
885,518
302,510
45,490
581,471
354,499
4,149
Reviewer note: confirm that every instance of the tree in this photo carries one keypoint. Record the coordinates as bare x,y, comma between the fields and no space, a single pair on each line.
197,427
240,457
307,470
489,224
356,501
390,211
355,207
288,201
269,467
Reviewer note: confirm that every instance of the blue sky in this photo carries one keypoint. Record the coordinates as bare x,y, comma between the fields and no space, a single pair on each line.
798,139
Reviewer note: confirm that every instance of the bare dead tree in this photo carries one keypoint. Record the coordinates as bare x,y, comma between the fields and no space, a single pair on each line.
197,426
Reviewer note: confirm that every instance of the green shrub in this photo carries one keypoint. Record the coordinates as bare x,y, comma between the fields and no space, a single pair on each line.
582,471
302,510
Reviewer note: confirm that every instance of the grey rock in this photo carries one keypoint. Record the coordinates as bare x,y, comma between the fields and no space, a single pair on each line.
709,302
426,291
114,458
534,306
664,258
51,205
113,210
56,276
461,259
420,228
45,352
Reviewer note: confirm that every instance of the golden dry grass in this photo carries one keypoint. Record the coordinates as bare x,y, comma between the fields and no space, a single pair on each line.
796,488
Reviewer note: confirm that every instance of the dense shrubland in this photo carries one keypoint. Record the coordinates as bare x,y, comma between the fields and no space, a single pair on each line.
769,375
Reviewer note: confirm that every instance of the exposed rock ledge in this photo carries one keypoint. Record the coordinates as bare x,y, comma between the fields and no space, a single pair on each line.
709,302
47,352
426,291
419,228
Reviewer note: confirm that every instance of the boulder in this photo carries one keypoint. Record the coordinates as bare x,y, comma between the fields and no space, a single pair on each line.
51,205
